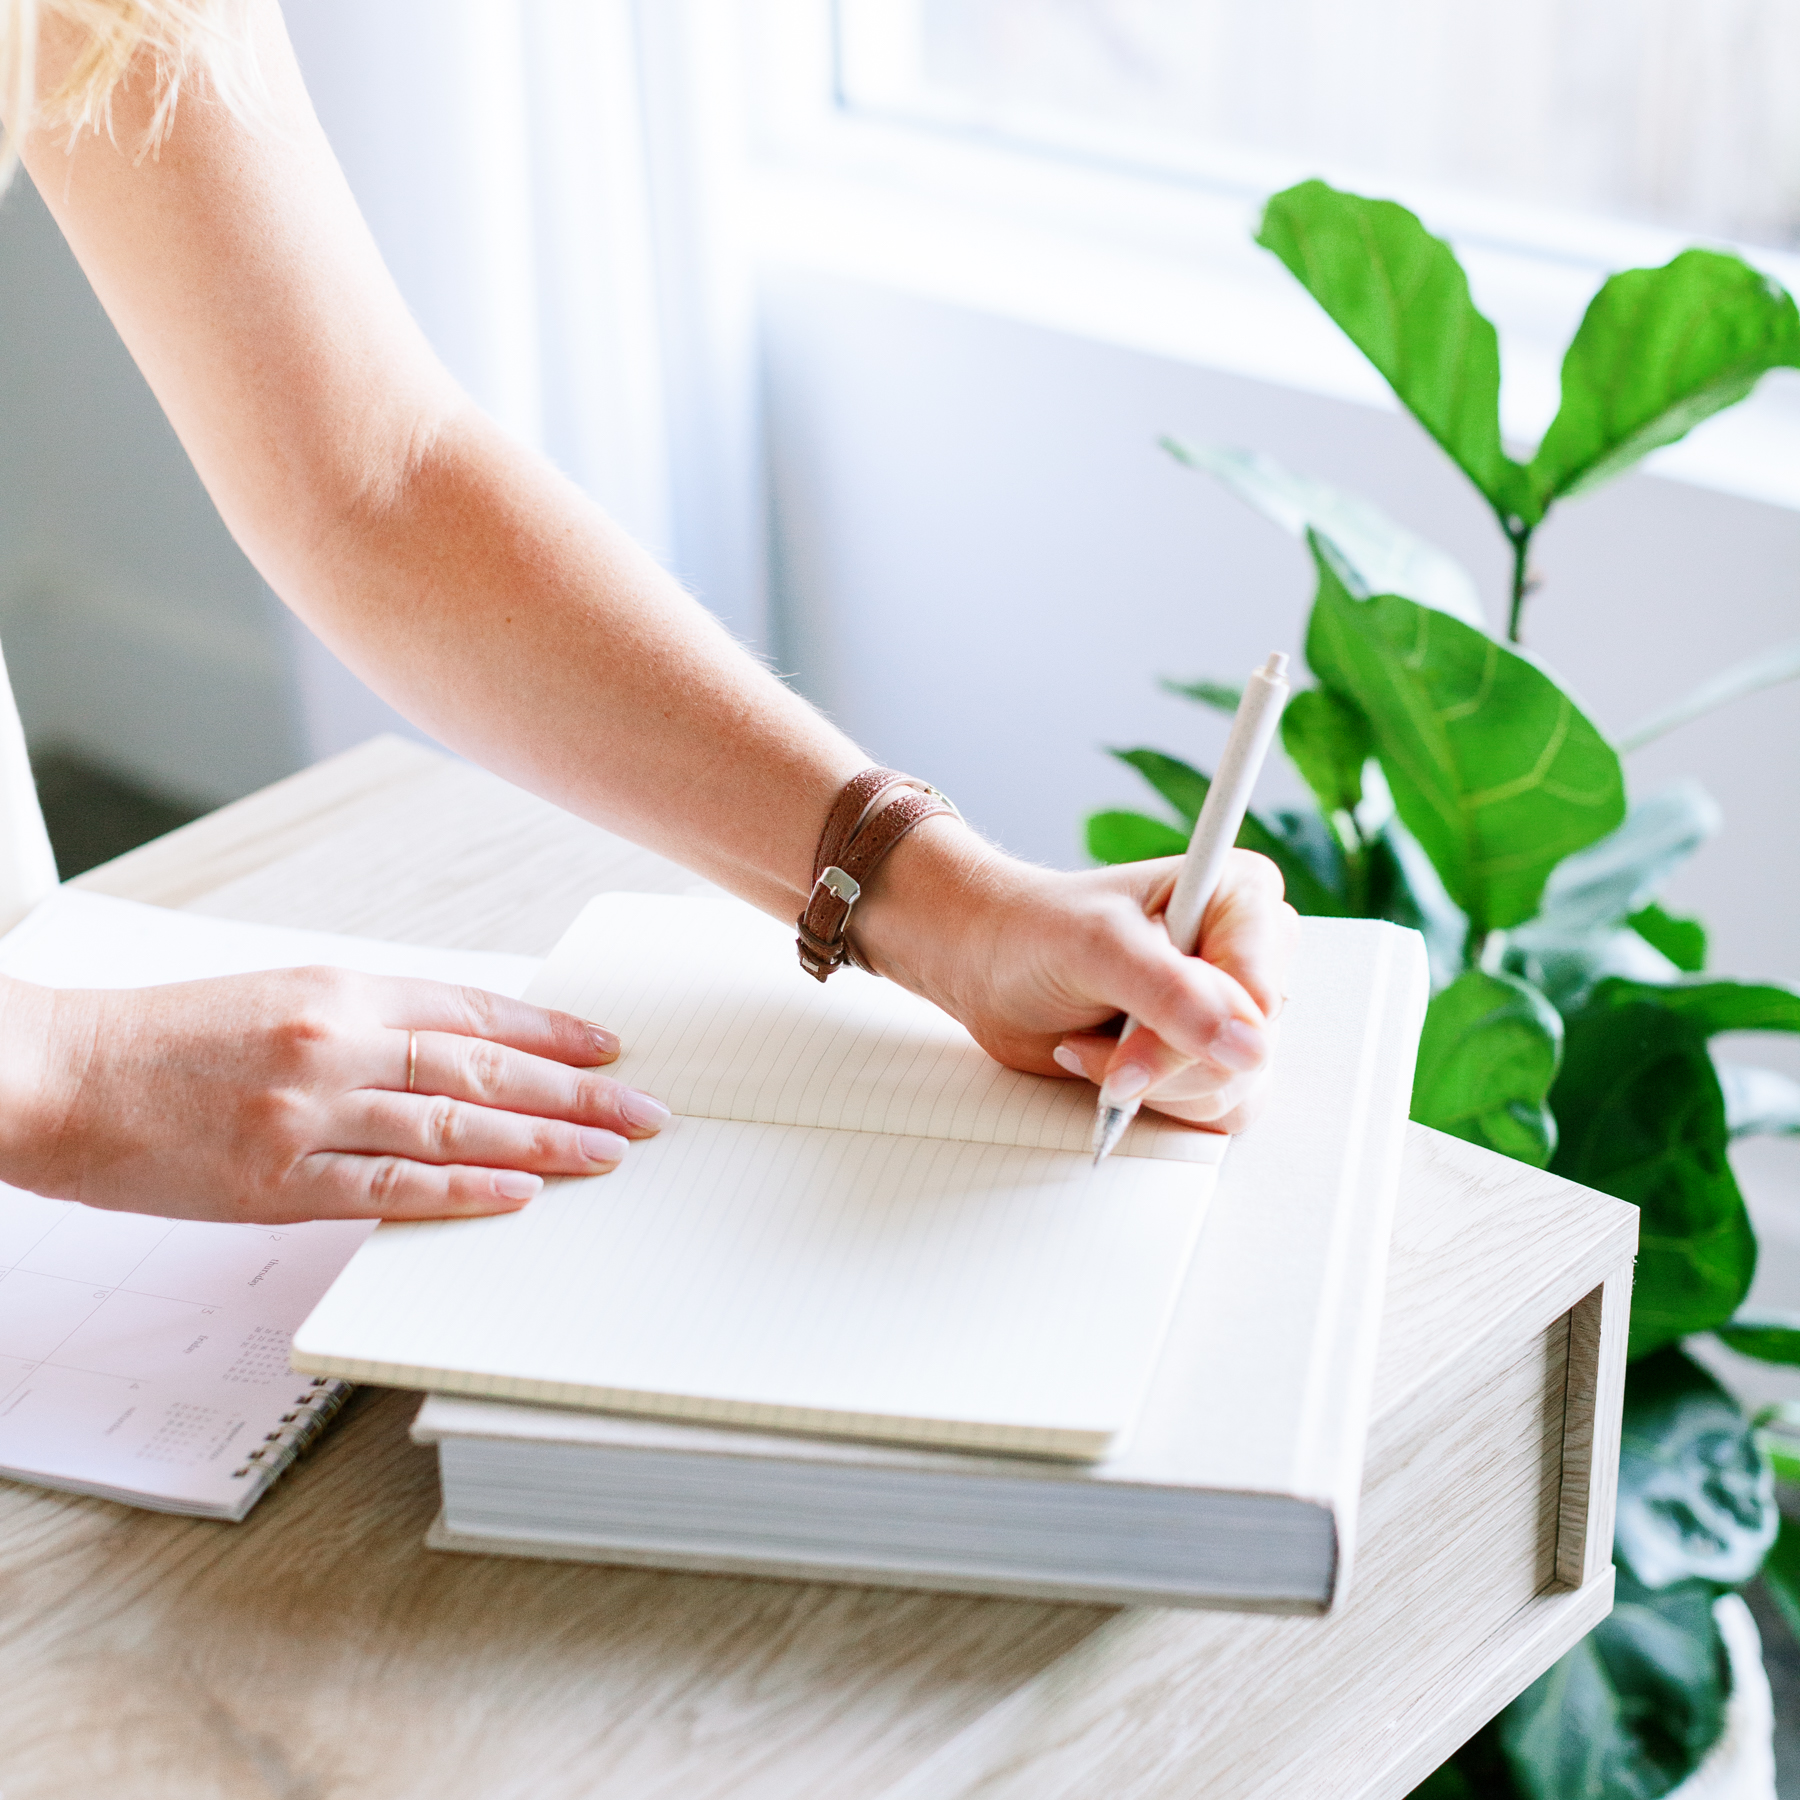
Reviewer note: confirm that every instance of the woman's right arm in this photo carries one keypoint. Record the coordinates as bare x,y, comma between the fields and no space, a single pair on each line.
494,604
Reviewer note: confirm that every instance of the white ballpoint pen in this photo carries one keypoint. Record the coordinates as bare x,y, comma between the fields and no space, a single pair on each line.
1215,831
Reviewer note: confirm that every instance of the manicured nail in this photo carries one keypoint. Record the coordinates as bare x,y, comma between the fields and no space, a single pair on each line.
600,1146
1237,1045
1125,1084
517,1187
606,1042
1065,1058
643,1110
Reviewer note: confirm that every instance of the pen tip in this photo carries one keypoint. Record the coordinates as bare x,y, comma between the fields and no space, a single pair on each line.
1109,1127
1276,667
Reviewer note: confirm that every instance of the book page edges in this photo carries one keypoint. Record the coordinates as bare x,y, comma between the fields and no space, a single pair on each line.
442,1535
443,1417
1063,1443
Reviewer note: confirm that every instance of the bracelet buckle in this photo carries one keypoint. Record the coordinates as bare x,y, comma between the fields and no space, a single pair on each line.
846,887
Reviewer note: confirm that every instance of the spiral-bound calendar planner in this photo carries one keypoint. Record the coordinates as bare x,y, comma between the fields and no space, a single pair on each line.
145,1359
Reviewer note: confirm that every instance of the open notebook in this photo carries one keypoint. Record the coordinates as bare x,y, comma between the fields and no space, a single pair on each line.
858,1223
145,1359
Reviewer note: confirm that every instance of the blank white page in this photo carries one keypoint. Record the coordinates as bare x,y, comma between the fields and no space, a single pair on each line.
719,1021
902,1288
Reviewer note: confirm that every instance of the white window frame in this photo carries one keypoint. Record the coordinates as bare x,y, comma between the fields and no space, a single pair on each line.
1165,263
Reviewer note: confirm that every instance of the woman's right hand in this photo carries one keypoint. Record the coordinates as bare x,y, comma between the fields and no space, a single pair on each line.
275,1098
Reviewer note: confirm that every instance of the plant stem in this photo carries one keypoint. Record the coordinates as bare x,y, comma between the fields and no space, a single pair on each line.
1522,584
1358,873
1355,849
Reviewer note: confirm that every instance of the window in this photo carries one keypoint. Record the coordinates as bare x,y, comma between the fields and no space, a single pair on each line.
1662,112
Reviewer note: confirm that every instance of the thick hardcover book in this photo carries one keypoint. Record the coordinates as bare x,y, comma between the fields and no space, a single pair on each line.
1233,1477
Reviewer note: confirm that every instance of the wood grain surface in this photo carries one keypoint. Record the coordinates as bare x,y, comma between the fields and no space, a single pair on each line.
320,1652
1598,1329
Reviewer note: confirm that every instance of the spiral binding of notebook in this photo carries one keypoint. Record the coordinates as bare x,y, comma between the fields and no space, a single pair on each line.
298,1430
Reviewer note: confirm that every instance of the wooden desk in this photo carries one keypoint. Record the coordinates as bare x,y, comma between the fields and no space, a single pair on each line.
319,1652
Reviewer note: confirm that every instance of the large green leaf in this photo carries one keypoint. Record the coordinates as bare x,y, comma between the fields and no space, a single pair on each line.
1402,298
1639,1114
1713,1006
1387,558
1329,741
1768,1336
1493,767
1630,1712
1696,1493
1658,351
1487,1057
1126,837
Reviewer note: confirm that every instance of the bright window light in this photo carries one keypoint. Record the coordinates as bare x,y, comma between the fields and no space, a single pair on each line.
1666,112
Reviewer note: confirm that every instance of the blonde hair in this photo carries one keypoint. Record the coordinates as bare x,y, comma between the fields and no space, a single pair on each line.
188,43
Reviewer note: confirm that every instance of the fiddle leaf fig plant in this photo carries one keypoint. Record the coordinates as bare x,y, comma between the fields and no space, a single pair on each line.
1459,788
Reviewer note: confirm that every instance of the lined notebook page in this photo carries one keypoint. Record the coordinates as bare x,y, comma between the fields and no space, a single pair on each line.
903,1288
718,1021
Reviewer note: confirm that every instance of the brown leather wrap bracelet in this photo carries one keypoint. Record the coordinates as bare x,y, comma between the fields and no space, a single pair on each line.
859,831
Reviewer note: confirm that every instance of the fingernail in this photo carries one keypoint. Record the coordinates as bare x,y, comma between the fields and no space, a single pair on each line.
606,1042
1125,1084
1239,1046
643,1110
1065,1058
600,1146
517,1187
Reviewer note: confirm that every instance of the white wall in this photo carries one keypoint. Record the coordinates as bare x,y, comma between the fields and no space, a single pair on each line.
134,628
